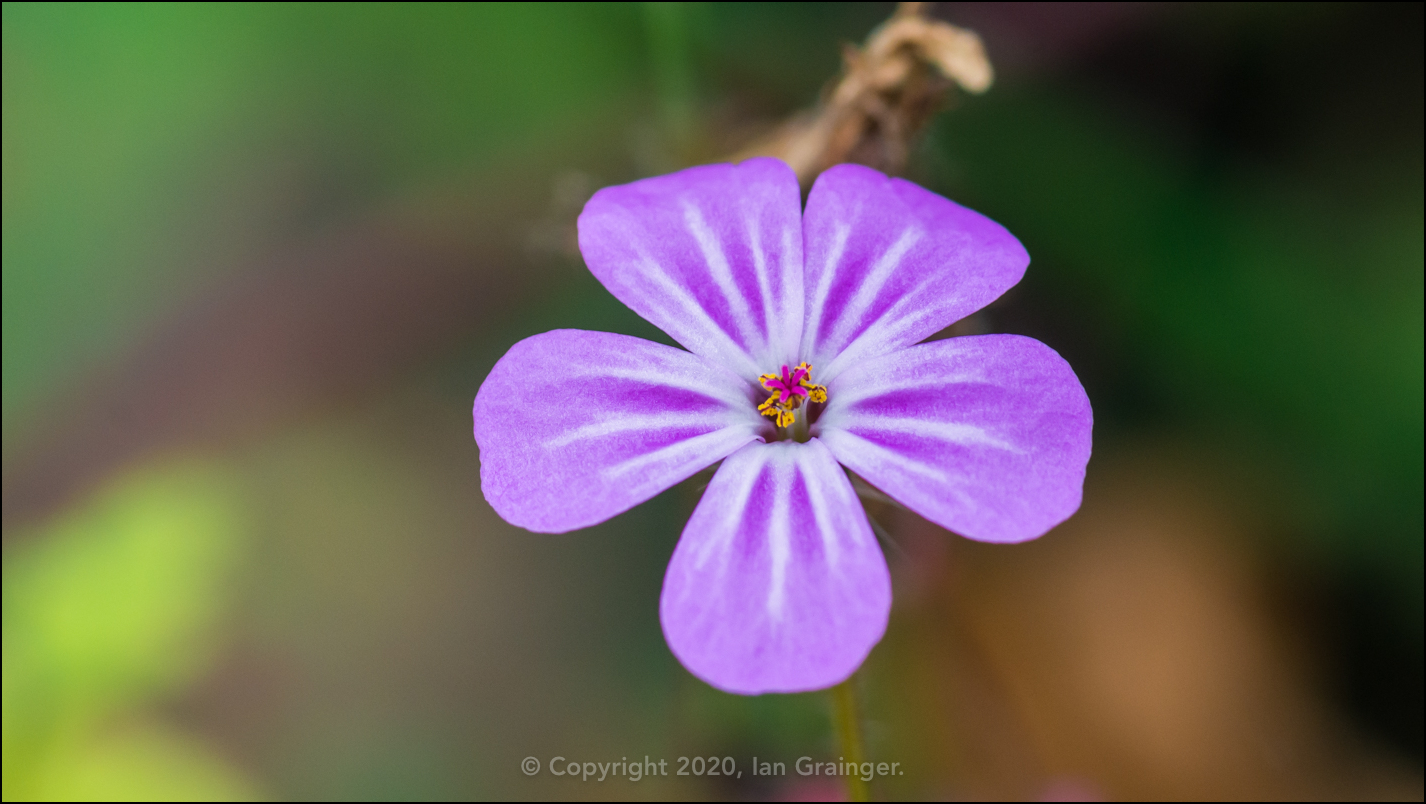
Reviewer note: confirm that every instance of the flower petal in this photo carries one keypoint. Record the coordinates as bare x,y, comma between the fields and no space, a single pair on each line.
575,427
711,255
889,263
777,584
987,436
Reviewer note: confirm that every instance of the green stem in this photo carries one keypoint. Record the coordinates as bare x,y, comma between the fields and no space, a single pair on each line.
801,429
847,718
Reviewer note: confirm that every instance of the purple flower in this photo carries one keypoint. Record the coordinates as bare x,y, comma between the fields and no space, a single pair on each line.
802,331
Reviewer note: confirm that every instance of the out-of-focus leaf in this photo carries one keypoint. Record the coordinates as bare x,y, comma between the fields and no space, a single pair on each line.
105,609
140,763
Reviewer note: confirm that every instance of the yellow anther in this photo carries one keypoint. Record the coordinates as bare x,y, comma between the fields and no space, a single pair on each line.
789,395
815,392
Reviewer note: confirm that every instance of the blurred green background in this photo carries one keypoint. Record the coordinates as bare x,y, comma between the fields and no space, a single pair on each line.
257,260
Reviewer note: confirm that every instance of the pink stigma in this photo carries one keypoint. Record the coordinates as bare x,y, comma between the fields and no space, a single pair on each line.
788,392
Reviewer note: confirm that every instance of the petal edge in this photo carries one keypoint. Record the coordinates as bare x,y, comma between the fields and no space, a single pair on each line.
712,255
987,436
575,427
890,263
777,583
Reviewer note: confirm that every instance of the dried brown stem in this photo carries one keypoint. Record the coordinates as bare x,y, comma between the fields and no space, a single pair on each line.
889,89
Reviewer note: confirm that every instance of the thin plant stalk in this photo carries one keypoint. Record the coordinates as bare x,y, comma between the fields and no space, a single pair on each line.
846,716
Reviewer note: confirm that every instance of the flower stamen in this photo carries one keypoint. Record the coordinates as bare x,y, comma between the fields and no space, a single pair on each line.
789,391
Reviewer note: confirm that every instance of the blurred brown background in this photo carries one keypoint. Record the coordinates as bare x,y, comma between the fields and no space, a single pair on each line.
257,260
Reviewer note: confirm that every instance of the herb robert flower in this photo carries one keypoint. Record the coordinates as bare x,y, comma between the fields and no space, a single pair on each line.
803,333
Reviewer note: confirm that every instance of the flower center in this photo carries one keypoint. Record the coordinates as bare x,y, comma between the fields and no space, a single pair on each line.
789,391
